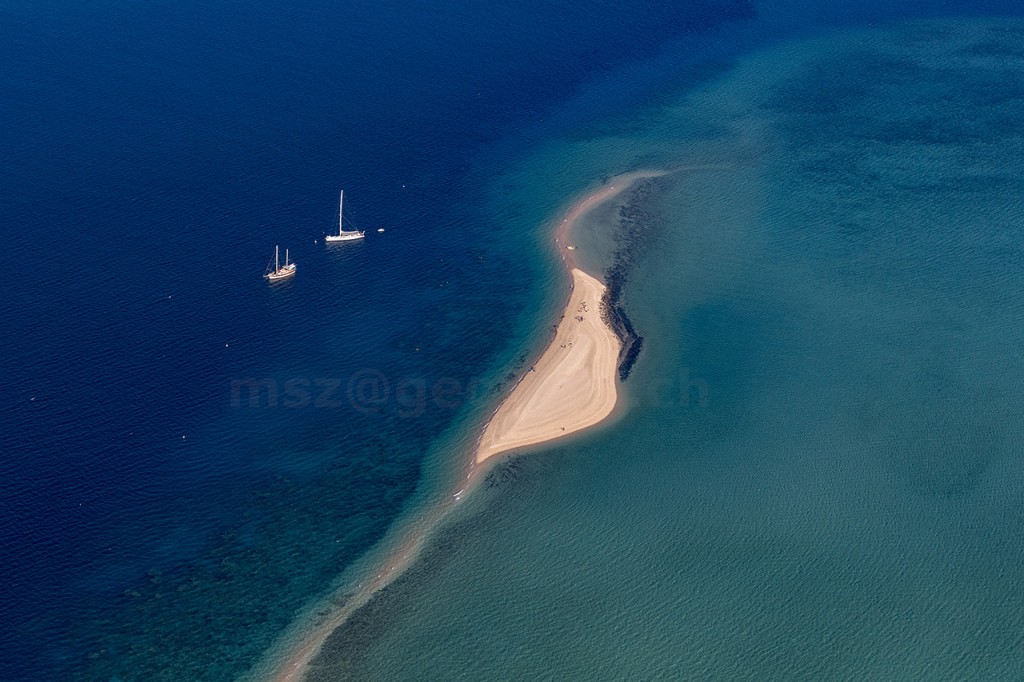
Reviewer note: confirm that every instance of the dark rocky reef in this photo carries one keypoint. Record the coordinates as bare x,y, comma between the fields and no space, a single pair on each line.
615,315
635,226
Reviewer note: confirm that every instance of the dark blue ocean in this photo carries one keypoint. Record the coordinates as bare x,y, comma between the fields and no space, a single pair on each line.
190,456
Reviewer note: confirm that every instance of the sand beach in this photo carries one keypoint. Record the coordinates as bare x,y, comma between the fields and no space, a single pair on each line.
570,388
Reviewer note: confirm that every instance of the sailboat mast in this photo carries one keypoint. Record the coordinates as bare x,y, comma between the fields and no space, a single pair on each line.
341,200
277,258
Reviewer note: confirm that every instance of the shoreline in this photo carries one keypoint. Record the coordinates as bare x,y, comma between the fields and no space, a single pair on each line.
570,388
573,385
523,418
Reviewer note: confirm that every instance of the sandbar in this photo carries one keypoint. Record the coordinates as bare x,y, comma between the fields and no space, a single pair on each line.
571,387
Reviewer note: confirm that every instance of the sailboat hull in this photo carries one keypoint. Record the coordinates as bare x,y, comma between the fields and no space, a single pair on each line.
284,273
344,237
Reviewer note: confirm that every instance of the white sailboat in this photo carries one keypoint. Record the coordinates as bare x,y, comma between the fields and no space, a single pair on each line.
280,272
343,234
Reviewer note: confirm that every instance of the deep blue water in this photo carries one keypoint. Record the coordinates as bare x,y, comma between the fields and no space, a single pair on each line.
153,155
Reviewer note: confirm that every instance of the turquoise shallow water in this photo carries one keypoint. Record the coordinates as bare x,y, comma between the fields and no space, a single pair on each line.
820,473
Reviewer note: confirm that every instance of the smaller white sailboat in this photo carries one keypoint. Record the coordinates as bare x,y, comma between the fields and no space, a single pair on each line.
280,271
343,234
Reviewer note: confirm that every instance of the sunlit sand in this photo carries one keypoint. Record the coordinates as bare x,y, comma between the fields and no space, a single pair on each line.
571,387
